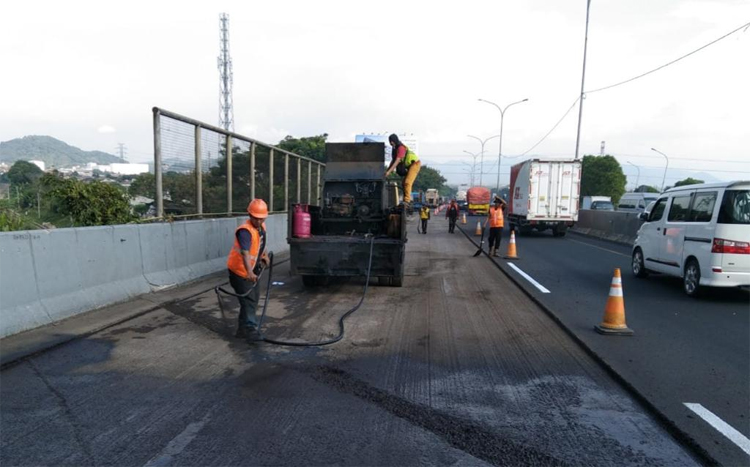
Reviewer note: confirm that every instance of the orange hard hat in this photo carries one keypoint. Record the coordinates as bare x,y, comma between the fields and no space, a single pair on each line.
258,208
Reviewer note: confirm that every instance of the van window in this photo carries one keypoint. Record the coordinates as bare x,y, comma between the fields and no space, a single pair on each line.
658,211
678,212
735,207
703,207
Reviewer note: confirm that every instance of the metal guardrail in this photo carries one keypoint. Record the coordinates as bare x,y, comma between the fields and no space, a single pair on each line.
227,141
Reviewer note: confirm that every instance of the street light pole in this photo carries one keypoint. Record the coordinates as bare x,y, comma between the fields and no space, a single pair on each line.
583,77
500,151
638,177
473,166
481,160
665,167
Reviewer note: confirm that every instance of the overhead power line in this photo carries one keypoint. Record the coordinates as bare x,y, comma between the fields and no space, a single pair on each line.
548,133
670,63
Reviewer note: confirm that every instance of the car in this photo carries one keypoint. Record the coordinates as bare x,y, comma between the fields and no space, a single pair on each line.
700,233
602,206
635,202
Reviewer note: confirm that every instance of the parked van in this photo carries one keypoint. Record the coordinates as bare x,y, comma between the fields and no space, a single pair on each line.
636,202
700,233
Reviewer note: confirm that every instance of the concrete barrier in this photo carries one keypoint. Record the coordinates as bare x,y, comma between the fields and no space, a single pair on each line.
621,227
50,275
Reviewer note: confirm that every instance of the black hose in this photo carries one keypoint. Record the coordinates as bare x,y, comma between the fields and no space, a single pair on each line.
341,320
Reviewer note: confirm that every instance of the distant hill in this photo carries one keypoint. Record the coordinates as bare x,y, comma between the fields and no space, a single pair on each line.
53,152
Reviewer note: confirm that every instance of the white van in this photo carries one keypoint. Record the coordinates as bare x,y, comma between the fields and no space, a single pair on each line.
700,233
636,202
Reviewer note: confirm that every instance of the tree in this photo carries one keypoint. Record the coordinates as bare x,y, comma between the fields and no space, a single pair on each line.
313,147
689,181
143,185
602,176
94,203
646,189
24,173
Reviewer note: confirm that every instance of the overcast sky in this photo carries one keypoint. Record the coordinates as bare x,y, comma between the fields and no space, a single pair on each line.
89,73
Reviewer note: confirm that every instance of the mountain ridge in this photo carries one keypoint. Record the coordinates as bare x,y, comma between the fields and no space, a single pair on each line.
52,151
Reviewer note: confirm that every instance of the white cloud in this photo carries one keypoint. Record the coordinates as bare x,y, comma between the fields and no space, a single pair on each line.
106,129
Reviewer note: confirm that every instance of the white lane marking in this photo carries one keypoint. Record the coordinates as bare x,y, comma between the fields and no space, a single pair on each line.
723,427
177,445
529,278
598,247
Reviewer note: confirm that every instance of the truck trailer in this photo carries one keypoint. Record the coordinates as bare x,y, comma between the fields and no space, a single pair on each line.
432,197
545,195
357,207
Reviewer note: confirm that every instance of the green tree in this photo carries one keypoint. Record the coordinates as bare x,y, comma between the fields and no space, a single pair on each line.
143,185
94,203
313,147
429,178
689,181
646,189
602,176
24,173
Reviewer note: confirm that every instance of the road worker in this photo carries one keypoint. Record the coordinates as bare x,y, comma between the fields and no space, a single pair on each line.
495,219
246,258
424,216
406,163
452,215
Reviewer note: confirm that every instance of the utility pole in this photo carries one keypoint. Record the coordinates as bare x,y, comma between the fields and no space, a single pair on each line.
226,111
583,78
121,149
601,151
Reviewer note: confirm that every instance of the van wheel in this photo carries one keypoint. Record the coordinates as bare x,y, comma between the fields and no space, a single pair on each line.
691,278
639,266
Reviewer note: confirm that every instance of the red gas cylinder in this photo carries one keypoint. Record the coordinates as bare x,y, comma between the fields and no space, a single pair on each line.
301,221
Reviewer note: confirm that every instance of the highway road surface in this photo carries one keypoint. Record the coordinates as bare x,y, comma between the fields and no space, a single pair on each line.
689,358
458,367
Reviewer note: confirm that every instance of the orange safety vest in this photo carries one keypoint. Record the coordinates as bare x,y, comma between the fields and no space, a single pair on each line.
496,217
234,262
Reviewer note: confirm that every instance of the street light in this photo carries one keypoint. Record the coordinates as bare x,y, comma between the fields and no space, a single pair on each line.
665,167
481,161
638,177
500,151
473,166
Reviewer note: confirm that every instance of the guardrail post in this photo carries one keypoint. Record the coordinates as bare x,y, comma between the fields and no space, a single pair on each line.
309,181
286,182
317,187
198,172
157,164
299,180
270,180
252,170
229,175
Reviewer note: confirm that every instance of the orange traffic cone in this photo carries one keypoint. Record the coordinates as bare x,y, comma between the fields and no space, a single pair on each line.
512,247
478,230
614,313
463,219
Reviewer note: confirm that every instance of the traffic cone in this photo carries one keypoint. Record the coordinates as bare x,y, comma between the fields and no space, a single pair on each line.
614,313
478,230
512,247
463,219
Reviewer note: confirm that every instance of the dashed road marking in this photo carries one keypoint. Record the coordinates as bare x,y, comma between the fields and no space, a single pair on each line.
600,248
529,278
721,426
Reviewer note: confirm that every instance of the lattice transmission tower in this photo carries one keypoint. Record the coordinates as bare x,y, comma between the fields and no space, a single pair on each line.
226,110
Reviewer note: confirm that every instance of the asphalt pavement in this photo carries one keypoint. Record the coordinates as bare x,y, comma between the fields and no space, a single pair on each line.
458,367
683,351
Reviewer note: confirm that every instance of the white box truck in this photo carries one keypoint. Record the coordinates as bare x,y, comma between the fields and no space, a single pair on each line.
432,197
545,195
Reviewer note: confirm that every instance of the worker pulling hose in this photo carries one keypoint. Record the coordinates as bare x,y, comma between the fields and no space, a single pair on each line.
219,289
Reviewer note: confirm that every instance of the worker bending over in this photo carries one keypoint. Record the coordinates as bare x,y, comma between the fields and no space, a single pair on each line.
247,257
495,219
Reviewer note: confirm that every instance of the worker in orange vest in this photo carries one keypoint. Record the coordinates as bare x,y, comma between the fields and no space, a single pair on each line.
495,219
245,260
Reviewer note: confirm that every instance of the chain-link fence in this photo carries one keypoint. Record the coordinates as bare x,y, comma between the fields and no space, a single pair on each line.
201,169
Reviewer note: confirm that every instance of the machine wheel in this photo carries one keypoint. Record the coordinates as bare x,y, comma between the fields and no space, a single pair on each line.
638,265
397,281
691,279
384,281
